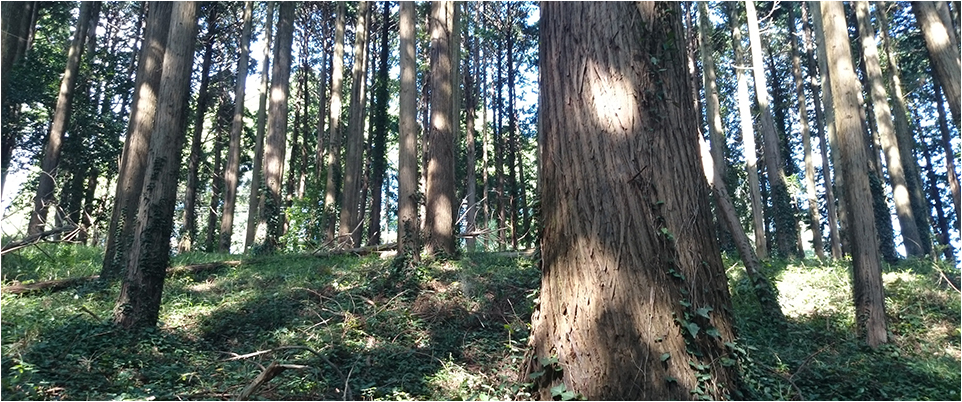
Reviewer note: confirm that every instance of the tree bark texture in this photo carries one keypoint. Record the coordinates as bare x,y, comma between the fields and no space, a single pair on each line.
860,225
408,226
276,139
943,46
634,303
58,127
334,153
946,142
139,301
379,130
349,233
133,162
232,170
256,199
441,204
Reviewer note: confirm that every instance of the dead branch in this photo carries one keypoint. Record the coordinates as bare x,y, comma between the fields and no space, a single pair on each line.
269,373
356,251
347,391
35,238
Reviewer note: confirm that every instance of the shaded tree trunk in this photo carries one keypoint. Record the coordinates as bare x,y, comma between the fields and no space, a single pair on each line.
943,236
379,132
140,293
331,192
628,242
140,126
19,22
946,142
867,268
943,46
349,233
222,121
256,201
61,117
407,137
471,179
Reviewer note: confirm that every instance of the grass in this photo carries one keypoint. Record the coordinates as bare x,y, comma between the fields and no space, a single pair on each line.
364,328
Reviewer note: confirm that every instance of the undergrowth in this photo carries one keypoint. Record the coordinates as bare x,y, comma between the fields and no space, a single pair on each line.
366,328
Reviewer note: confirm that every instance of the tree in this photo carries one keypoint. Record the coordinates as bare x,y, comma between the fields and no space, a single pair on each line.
139,301
943,46
886,130
349,230
276,139
470,105
379,129
237,126
439,194
860,223
58,127
407,137
19,22
256,201
140,126
334,151
633,304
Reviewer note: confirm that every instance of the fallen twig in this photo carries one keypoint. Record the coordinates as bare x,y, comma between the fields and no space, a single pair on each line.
269,373
357,250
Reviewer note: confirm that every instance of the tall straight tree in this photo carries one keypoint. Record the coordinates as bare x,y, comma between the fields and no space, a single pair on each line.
953,179
139,301
748,138
860,225
943,46
232,170
61,117
379,128
407,137
349,233
334,151
784,217
470,155
140,125
886,131
256,201
629,256
439,193
276,139
18,19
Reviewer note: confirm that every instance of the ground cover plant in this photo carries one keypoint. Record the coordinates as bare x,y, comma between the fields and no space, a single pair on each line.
348,327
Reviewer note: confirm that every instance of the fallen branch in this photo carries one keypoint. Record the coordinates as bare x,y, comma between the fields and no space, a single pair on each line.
347,390
269,373
35,238
357,251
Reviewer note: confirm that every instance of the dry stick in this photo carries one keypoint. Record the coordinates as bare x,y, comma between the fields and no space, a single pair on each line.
295,347
269,373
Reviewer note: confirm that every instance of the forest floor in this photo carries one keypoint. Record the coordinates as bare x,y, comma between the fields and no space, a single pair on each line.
348,327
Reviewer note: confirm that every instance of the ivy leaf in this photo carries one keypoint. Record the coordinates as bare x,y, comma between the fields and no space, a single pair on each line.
704,311
536,374
713,332
665,356
692,328
558,389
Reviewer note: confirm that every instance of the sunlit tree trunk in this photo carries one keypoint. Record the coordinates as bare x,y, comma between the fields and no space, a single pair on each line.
407,137
276,139
139,128
943,46
232,170
331,192
470,105
349,233
632,304
256,201
860,226
379,131
58,127
140,293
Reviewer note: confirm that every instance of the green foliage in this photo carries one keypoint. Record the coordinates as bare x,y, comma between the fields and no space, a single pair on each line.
49,261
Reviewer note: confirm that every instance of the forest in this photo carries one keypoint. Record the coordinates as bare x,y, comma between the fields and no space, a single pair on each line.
480,200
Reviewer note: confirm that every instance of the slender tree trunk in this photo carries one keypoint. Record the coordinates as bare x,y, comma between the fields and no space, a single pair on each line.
216,188
19,22
188,233
748,141
140,293
407,137
943,236
256,201
813,211
784,217
232,171
943,46
61,118
321,116
379,132
349,234
867,268
133,162
499,152
513,159
946,142
471,179
276,138
628,242
440,200
331,193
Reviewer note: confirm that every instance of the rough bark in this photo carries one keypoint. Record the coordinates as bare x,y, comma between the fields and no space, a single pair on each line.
471,180
276,139
407,137
860,225
943,46
439,191
633,302
212,238
133,162
61,118
256,200
379,131
349,233
334,152
232,171
139,301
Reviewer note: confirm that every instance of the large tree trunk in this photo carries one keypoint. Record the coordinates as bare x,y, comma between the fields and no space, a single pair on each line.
634,303
748,140
19,22
784,217
188,234
139,301
276,139
814,215
349,234
256,201
379,132
139,128
334,152
943,46
407,137
61,117
232,171
441,204
860,224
